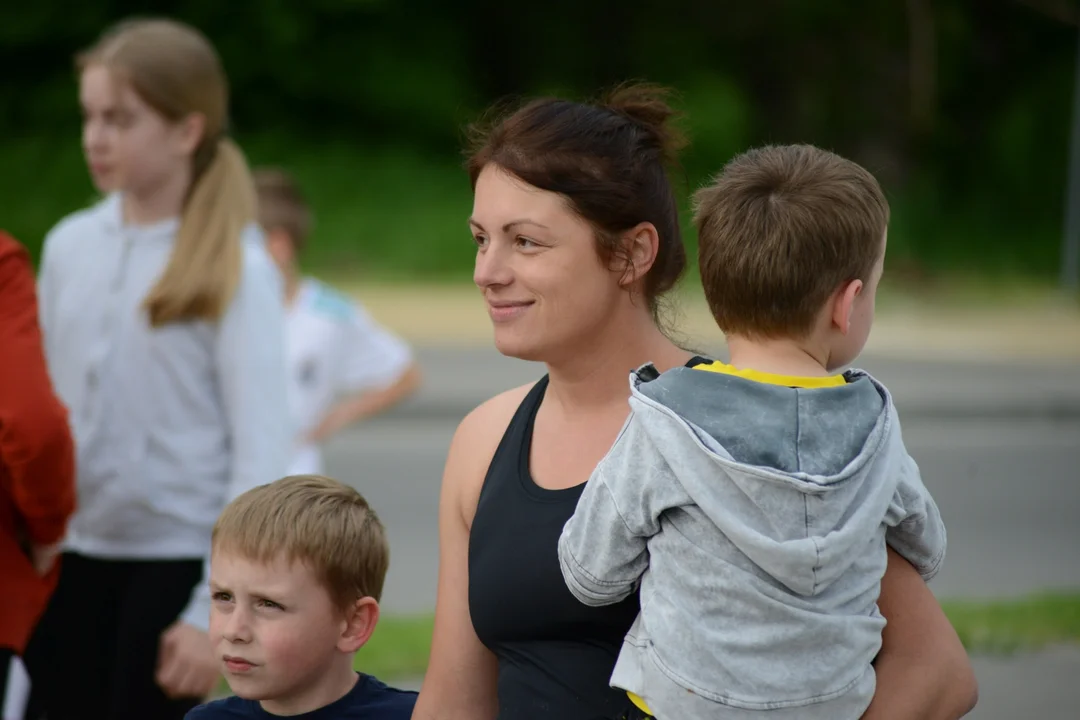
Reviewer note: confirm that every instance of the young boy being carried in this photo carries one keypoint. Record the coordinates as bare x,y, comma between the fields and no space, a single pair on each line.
343,367
754,501
296,571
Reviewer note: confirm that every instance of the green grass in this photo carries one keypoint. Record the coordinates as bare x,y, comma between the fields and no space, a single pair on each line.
1011,625
399,648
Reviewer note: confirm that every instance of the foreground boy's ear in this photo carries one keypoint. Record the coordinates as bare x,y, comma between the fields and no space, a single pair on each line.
360,621
843,305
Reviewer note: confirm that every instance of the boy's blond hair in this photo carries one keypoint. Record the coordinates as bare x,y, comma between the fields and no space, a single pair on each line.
282,206
780,229
322,523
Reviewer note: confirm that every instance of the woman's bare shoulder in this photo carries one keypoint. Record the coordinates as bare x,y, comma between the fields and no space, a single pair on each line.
474,444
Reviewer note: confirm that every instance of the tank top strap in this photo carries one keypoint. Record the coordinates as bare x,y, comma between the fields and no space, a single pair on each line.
516,439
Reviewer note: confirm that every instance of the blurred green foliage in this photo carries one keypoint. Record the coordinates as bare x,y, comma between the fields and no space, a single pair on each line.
960,107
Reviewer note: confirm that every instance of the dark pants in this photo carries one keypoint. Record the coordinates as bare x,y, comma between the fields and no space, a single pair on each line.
94,654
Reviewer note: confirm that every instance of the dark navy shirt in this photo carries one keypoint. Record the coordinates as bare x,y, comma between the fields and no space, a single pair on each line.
369,699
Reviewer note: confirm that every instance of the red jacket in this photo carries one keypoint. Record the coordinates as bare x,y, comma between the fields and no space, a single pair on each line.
37,456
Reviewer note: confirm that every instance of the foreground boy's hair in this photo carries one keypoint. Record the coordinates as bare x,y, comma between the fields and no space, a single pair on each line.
314,520
780,229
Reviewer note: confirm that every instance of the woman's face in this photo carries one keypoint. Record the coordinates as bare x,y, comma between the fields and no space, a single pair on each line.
129,147
547,291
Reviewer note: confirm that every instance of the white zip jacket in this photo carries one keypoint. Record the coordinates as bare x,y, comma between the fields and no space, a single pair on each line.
170,423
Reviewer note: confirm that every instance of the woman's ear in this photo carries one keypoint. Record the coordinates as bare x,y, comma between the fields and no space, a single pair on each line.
640,247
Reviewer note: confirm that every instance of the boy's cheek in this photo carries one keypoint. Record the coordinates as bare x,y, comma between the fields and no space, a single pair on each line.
288,652
214,631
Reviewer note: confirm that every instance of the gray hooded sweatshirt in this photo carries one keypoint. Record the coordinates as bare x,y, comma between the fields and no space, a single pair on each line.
754,518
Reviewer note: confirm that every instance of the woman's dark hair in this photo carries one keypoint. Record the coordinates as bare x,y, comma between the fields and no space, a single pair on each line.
609,159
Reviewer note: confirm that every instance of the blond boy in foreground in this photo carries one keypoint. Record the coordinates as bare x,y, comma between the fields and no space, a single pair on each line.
296,571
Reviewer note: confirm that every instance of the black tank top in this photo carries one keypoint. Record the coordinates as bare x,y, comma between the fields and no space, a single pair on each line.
555,654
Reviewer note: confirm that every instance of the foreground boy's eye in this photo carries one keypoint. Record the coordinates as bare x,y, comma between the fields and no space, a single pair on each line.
270,604
221,597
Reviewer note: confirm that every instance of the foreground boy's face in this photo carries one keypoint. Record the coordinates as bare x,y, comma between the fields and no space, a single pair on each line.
275,631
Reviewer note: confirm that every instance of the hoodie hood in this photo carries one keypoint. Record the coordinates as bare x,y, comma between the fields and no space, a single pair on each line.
796,478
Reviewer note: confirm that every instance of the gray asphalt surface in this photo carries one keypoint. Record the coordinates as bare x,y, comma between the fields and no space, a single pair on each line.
998,445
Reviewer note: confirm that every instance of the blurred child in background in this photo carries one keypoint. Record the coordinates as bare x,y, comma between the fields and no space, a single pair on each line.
297,571
342,366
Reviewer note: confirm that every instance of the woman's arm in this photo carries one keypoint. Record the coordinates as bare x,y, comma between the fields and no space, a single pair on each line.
460,683
923,672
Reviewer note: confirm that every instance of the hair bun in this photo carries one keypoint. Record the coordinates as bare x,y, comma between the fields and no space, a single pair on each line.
647,106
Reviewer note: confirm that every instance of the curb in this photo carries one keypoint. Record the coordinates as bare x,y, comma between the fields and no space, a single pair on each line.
1059,410
456,380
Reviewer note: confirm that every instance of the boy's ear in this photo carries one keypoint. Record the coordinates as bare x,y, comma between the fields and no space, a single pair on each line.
843,304
360,622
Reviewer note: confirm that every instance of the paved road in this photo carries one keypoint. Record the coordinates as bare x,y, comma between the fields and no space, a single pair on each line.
1009,492
998,446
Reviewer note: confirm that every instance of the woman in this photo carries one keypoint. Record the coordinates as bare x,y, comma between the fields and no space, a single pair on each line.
577,240
163,323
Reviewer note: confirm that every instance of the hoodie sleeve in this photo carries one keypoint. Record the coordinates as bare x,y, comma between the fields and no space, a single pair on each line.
603,547
915,529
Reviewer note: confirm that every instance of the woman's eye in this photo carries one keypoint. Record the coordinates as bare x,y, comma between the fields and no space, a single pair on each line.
221,597
480,240
270,604
525,242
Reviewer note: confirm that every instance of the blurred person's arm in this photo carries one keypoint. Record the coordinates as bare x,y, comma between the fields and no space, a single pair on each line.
365,404
36,447
923,671
379,372
252,381
460,682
